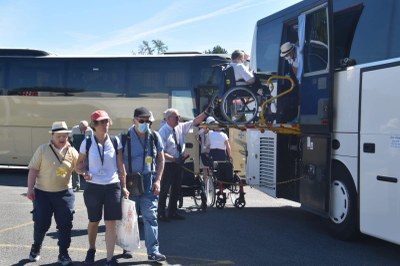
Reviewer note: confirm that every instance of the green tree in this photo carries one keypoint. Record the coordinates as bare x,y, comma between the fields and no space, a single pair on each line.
158,46
216,50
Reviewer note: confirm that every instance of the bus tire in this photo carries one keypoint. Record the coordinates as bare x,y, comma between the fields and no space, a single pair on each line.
343,209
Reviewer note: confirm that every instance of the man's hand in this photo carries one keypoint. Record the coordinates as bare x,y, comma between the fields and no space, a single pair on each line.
31,194
156,187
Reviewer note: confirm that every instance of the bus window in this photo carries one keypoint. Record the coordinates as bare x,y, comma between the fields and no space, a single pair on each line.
150,77
183,101
316,42
268,43
345,25
32,78
97,77
2,85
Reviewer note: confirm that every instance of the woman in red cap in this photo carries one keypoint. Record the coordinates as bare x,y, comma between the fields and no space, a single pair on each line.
104,171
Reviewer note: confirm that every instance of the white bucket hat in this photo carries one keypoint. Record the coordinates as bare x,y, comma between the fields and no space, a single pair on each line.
59,127
286,48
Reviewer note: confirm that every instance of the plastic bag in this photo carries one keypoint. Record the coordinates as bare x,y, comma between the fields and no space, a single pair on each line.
127,228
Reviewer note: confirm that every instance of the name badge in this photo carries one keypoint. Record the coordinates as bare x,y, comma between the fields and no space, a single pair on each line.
61,172
101,172
148,159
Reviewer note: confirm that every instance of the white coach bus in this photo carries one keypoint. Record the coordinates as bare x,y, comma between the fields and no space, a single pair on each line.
344,163
37,88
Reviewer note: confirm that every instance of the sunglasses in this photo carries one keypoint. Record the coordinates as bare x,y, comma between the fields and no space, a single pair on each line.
141,121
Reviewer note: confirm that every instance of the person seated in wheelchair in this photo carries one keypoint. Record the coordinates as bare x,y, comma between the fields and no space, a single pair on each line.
242,74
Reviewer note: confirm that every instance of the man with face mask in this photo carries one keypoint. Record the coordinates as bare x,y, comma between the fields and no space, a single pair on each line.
147,158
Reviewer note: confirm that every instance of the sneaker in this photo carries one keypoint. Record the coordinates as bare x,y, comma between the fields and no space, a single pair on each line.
156,256
90,256
34,255
77,188
127,254
112,262
64,259
177,217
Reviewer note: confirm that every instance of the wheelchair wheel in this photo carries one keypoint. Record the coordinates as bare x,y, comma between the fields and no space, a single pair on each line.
240,203
216,110
198,198
210,191
239,106
234,197
220,204
180,202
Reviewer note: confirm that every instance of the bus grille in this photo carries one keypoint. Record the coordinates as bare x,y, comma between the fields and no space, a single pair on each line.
267,162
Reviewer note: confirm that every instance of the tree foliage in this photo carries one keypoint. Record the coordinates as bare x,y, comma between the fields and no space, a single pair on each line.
216,50
157,46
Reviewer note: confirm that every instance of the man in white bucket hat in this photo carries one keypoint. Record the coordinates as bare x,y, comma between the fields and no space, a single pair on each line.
50,189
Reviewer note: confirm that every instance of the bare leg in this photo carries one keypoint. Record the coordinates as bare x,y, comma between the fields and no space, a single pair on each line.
111,238
93,228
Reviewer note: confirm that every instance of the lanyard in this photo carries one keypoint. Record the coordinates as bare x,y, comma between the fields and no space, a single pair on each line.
144,145
98,149
55,154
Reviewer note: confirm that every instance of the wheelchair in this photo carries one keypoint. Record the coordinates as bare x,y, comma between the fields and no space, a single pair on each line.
228,183
192,186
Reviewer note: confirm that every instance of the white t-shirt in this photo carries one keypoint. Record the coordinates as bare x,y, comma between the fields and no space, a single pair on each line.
241,72
104,171
217,139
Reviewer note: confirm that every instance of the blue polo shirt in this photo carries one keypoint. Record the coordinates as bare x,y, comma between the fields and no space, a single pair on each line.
137,149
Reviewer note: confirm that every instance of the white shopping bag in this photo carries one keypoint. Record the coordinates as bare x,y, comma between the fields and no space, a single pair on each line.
127,228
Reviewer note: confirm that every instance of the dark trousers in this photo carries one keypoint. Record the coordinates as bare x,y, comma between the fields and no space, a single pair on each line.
218,155
172,178
61,204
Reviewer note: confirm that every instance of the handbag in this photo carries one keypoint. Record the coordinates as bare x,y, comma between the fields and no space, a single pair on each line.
127,228
134,184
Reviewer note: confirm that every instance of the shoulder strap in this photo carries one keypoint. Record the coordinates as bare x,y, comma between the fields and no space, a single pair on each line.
88,144
115,144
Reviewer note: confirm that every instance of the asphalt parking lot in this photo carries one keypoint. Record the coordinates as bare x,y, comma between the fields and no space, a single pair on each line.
265,232
16,232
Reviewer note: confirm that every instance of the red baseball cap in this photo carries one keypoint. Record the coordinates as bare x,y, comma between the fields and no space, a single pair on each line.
99,115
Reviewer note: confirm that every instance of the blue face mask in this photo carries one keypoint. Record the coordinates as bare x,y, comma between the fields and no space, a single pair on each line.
143,127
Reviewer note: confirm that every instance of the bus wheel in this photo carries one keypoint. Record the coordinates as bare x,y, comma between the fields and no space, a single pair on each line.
343,212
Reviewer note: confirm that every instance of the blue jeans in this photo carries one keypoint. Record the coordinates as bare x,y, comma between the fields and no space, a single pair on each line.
147,203
61,204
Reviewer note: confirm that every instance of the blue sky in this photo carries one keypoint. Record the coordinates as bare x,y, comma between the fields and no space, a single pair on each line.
98,27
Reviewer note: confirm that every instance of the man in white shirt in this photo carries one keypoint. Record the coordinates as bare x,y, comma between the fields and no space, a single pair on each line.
243,76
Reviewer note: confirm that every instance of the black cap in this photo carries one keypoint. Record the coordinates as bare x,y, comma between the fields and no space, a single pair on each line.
141,111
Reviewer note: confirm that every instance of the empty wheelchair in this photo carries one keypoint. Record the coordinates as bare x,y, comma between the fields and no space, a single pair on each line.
193,186
228,184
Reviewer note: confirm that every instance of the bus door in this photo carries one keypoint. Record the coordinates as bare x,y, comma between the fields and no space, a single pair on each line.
379,185
315,83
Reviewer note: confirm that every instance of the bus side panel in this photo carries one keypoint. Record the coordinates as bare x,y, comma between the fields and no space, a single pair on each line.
261,160
380,153
15,145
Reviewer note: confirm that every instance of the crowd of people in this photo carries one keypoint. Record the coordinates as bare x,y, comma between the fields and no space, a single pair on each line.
105,162
109,163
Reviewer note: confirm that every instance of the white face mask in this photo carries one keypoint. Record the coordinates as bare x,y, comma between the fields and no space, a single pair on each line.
143,127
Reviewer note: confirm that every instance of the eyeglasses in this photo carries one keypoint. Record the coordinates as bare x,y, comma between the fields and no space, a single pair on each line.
141,121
